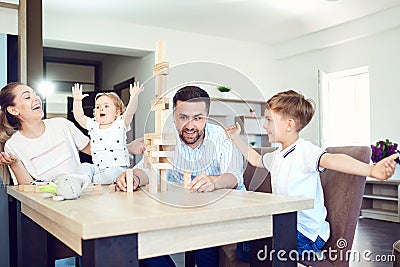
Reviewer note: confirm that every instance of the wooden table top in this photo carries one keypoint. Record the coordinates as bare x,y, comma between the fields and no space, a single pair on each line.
119,213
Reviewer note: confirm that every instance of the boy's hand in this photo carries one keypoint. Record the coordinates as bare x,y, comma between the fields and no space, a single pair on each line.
77,92
385,168
7,159
233,131
135,89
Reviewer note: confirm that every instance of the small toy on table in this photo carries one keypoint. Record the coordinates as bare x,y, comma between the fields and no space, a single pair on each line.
65,188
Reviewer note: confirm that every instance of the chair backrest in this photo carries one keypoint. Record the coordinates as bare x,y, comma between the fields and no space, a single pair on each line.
343,194
258,179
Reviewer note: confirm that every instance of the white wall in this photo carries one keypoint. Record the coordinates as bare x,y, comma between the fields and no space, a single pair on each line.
8,21
380,53
254,60
3,60
118,69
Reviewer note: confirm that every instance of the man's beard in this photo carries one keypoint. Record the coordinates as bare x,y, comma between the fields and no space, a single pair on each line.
191,140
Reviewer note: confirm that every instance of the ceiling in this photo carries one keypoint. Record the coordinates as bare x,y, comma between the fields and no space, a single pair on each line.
270,22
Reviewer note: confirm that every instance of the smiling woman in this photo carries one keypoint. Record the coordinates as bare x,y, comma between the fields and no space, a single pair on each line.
52,143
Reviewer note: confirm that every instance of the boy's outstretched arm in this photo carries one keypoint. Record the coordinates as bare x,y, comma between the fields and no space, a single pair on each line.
255,159
382,170
79,115
134,91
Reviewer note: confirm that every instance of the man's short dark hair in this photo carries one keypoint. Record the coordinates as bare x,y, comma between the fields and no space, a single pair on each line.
192,94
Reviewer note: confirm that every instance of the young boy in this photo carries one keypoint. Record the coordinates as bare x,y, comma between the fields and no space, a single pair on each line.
107,131
296,166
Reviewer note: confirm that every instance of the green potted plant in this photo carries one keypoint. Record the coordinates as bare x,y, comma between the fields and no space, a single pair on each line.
224,90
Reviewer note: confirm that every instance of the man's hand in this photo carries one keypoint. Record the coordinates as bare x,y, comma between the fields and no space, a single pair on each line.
385,168
202,183
121,182
136,147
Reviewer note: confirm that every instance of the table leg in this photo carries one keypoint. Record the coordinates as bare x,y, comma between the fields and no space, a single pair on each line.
189,259
12,226
111,251
282,248
31,241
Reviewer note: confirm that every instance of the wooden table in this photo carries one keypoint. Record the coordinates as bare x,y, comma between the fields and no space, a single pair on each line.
117,229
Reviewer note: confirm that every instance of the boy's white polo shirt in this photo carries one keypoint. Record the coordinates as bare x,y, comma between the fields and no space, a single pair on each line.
295,172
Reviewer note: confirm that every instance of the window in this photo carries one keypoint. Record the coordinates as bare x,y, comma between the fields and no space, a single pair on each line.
344,107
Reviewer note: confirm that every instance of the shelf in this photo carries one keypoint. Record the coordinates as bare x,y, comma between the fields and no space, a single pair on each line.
226,111
252,117
390,181
381,212
258,134
237,100
380,215
218,115
381,200
381,197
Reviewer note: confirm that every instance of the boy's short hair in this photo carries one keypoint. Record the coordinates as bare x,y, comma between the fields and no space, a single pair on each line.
119,105
192,94
294,105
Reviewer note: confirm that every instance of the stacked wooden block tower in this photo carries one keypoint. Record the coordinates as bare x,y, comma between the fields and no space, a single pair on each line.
160,146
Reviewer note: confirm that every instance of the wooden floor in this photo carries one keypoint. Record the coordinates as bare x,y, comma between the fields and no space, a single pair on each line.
374,238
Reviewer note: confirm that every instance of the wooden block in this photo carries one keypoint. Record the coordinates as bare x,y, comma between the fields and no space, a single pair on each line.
154,160
159,116
112,188
158,166
26,187
161,65
168,148
187,178
161,51
163,181
37,189
153,148
162,106
161,68
160,100
161,85
159,136
150,148
129,180
153,181
165,160
160,72
169,142
164,154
